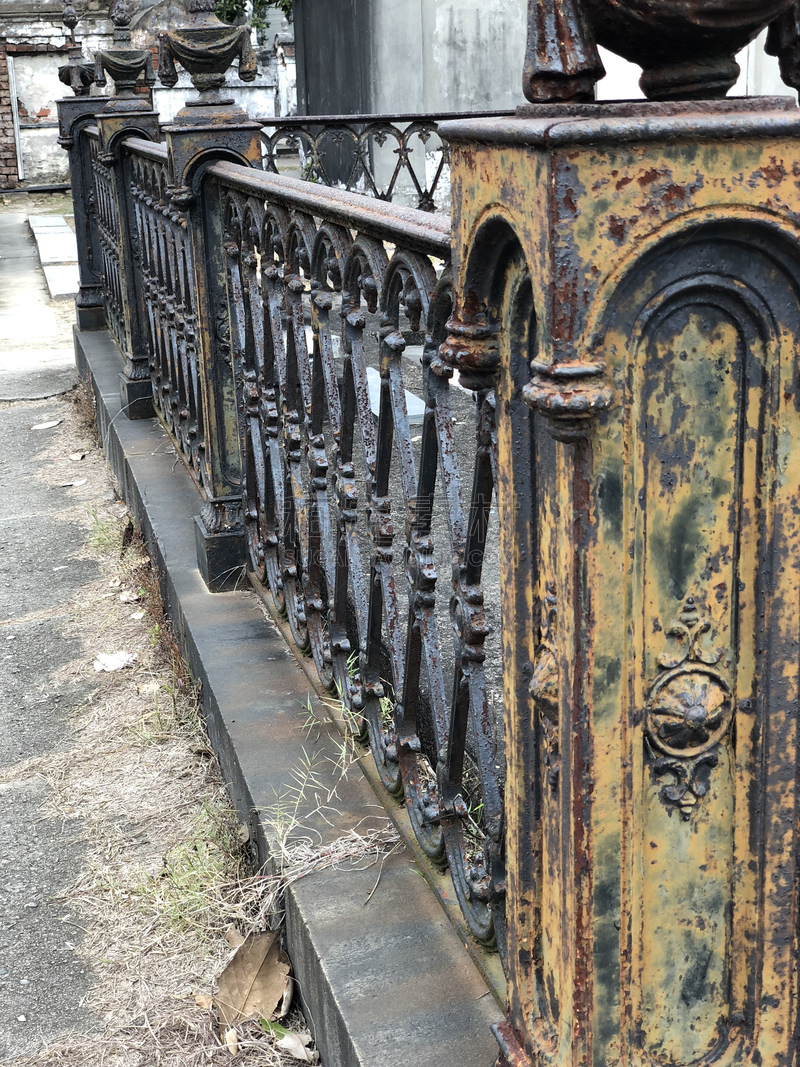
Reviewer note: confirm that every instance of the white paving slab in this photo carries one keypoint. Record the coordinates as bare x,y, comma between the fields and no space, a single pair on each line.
48,222
62,280
36,355
57,246
14,358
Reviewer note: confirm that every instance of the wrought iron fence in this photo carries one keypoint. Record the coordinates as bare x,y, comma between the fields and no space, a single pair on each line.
367,465
168,290
594,422
368,471
398,158
109,225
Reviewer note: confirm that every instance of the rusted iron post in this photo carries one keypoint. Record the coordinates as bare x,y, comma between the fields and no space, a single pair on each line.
125,114
74,114
206,130
633,270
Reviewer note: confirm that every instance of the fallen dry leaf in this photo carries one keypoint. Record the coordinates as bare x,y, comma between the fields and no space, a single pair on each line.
115,661
137,615
254,982
295,1045
203,1000
232,1041
129,597
77,455
286,1000
46,425
234,937
77,482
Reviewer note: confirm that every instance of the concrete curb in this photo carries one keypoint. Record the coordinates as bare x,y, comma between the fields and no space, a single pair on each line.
386,983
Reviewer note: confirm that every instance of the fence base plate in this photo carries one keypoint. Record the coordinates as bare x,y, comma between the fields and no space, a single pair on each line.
136,398
220,557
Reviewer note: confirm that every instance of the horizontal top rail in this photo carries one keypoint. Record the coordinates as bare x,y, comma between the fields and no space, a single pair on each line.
353,120
406,226
148,149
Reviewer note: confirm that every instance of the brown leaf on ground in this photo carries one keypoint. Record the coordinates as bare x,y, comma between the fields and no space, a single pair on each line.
232,1041
254,982
234,937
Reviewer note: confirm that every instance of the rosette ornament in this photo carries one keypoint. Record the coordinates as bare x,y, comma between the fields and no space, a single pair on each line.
124,64
689,712
205,48
77,75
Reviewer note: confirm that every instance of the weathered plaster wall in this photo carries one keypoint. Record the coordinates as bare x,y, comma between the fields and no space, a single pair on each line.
44,160
447,55
257,98
36,42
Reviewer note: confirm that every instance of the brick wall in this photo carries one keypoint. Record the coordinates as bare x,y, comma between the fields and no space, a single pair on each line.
8,156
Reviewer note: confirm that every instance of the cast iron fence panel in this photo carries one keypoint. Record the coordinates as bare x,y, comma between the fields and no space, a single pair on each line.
169,301
109,229
345,515
340,150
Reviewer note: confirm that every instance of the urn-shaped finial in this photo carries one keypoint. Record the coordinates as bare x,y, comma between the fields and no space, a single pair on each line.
205,48
78,75
124,64
686,48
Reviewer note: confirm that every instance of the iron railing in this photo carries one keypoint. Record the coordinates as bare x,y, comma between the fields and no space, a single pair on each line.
109,226
168,289
398,158
367,473
366,467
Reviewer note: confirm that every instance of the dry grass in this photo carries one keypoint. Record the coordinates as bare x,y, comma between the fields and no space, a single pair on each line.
166,872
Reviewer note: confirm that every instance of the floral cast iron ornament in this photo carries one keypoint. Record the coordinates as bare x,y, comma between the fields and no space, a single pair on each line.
688,713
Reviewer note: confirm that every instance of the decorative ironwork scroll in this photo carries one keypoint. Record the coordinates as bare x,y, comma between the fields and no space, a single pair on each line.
399,158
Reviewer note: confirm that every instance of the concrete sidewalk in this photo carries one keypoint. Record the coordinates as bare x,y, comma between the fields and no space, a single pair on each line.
36,357
42,979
